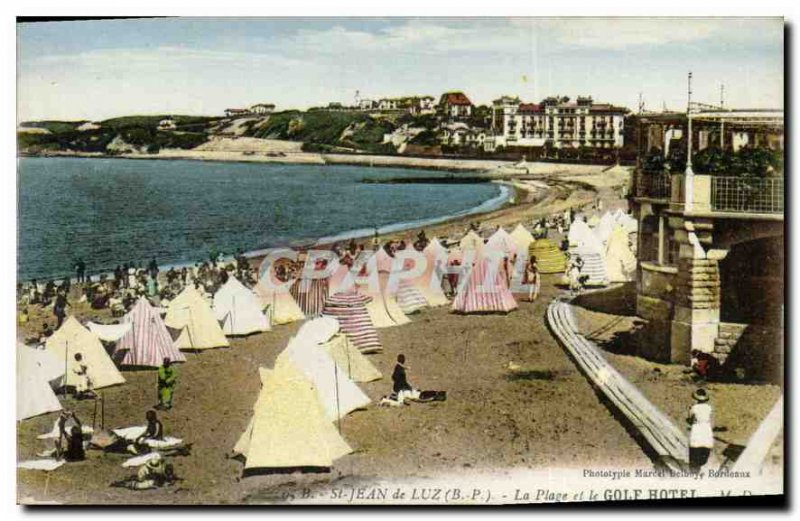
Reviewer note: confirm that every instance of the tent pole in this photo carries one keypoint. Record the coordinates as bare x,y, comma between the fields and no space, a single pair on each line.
338,410
66,365
102,410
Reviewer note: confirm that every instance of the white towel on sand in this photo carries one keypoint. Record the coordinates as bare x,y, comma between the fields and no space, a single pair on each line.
40,464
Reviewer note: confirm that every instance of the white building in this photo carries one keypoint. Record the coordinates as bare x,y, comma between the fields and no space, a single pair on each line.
262,108
167,124
557,121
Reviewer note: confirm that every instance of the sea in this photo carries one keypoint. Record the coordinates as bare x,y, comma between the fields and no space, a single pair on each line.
114,211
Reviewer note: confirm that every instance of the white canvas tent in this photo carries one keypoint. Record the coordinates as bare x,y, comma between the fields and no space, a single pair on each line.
325,332
190,314
471,241
522,238
338,395
36,368
280,304
289,428
502,241
620,260
72,338
238,309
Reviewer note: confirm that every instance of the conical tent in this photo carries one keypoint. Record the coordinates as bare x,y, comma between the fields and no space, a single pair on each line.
279,303
341,280
604,228
383,309
479,295
594,267
193,317
522,238
326,333
147,342
549,258
310,294
593,221
409,298
238,309
338,395
502,241
36,368
72,338
429,283
289,429
349,309
581,236
620,260
471,241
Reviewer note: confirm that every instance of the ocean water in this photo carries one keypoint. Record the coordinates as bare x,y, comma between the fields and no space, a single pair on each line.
112,211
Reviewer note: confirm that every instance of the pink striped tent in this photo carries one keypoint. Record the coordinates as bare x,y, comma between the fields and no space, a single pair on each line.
477,295
350,309
148,342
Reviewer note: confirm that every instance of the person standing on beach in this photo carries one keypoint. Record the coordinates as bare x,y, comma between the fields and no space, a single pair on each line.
167,379
532,278
80,271
701,435
60,308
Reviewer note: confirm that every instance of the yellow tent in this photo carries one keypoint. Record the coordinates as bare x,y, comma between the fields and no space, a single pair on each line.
72,338
280,304
620,260
350,360
198,325
471,241
548,257
522,238
289,428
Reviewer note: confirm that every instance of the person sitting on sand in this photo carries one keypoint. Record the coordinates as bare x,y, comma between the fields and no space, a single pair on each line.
155,473
70,437
153,431
46,333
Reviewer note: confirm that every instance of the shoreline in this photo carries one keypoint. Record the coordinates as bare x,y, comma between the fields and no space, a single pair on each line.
525,199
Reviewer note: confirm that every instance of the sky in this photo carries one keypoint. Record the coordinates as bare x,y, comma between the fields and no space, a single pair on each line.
93,70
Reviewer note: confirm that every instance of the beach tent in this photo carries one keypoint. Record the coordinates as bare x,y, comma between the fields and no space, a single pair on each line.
338,394
628,222
548,257
594,266
238,309
310,294
190,314
341,280
147,341
471,241
72,338
279,303
477,295
109,332
604,227
581,236
36,368
289,429
349,309
383,308
522,238
502,241
409,298
326,333
620,260
593,221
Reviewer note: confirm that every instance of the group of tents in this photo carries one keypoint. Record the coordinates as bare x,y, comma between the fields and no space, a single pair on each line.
604,246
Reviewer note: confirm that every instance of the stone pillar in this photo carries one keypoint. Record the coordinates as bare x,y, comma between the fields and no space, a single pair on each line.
695,322
696,312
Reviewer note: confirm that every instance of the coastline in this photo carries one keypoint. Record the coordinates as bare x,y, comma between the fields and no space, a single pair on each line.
540,190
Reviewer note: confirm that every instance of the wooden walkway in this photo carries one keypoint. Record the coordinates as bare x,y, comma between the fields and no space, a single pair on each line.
760,443
649,424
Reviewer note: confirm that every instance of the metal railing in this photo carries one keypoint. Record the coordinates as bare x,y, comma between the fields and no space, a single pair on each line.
747,195
656,186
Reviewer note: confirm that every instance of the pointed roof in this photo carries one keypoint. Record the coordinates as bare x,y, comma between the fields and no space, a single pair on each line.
147,342
72,338
281,306
522,237
502,241
476,296
289,428
193,317
620,260
471,241
239,309
35,369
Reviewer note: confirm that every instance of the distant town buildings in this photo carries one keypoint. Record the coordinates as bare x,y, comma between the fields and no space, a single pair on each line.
557,122
259,109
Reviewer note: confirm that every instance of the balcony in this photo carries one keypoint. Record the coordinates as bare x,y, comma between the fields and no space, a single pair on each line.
715,195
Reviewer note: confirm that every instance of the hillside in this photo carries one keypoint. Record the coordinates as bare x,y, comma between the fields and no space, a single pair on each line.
314,131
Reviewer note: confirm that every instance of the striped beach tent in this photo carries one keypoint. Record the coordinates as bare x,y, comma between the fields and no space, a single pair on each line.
350,310
548,257
310,294
522,238
477,295
72,338
192,316
594,266
409,298
238,309
147,342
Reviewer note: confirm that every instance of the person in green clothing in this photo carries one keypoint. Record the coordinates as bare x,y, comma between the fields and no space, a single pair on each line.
167,378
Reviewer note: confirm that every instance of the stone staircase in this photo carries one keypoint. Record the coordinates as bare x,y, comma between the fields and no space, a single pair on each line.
729,335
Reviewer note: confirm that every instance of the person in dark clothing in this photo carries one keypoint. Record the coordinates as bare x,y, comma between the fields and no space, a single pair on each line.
399,377
80,271
60,308
73,435
154,431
